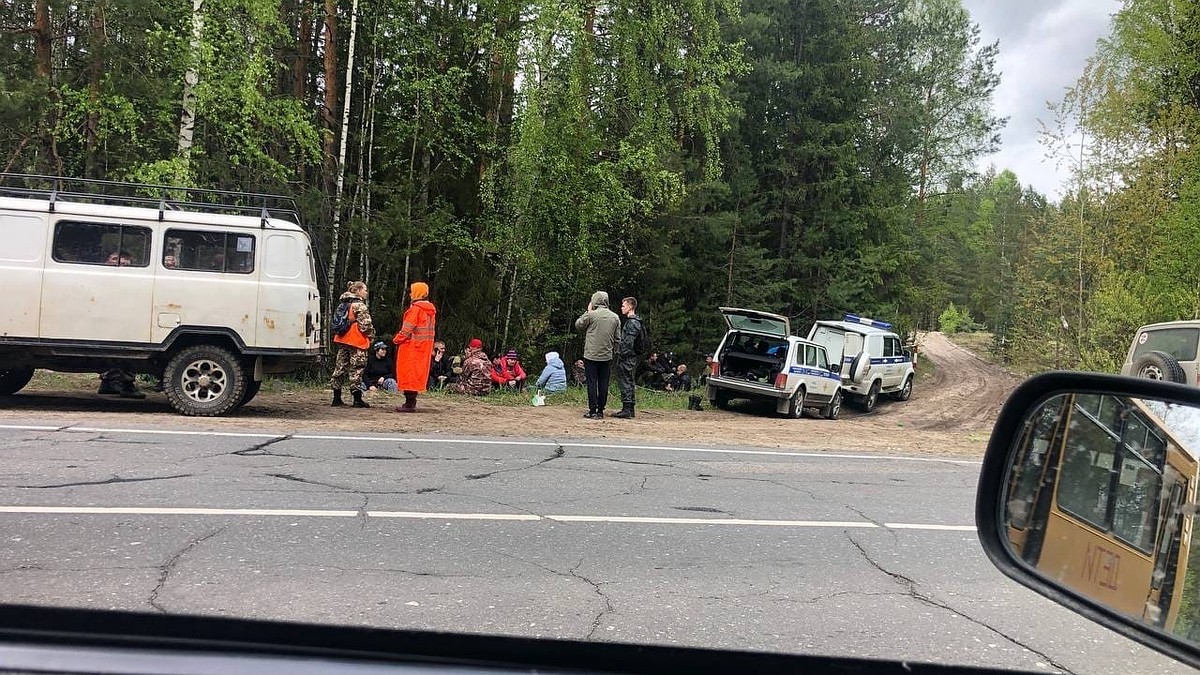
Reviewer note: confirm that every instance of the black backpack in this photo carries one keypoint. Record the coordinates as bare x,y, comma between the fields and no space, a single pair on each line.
341,319
641,342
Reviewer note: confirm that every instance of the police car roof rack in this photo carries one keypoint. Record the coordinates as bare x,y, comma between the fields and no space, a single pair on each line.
57,189
854,318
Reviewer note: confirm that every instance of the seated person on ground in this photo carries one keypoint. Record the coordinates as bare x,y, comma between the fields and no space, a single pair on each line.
680,381
476,379
380,372
554,376
508,373
439,366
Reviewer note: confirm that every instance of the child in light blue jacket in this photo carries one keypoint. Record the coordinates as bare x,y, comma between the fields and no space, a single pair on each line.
554,376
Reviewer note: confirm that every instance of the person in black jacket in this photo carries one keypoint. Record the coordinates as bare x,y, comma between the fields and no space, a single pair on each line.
380,371
439,366
627,356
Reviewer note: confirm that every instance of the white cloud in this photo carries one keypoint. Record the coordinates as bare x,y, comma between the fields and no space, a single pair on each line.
1044,46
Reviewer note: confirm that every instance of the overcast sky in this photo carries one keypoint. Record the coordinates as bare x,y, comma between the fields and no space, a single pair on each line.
1043,47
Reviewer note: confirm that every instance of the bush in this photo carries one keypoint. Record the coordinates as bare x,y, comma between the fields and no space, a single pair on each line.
952,320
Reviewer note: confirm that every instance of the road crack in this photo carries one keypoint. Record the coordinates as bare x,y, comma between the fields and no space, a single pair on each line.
625,461
910,589
111,481
308,481
596,588
701,509
164,571
260,449
559,451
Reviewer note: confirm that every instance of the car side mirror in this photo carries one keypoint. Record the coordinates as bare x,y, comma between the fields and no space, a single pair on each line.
1088,496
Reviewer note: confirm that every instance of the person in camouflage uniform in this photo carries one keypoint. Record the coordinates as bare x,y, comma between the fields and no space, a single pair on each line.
352,346
476,378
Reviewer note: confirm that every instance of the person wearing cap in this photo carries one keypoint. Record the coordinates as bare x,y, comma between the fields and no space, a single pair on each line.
380,372
508,371
415,346
476,377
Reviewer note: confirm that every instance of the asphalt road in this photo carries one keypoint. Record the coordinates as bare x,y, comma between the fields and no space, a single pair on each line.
826,553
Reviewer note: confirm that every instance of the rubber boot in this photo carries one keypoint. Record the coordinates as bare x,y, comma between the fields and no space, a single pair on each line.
337,399
624,414
108,385
410,403
129,389
358,400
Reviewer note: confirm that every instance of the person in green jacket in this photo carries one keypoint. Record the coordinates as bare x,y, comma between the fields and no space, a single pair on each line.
602,330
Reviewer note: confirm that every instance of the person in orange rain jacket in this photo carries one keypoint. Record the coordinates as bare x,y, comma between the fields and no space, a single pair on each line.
415,346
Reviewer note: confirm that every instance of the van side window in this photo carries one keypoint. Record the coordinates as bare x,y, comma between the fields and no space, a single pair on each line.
889,347
199,251
101,244
822,361
810,355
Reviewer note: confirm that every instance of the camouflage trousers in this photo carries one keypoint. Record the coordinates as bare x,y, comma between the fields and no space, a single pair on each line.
349,364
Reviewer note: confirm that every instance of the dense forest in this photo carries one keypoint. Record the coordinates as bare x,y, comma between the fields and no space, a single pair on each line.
808,158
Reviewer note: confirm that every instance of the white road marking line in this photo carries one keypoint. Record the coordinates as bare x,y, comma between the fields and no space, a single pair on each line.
453,516
170,432
176,511
435,515
712,521
481,441
410,439
920,526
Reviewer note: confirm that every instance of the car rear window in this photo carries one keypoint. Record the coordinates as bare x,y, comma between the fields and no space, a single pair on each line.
1178,342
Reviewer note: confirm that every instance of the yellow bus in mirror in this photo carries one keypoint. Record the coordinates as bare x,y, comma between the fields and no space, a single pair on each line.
1096,500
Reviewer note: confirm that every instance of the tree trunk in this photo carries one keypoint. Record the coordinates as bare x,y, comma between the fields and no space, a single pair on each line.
91,126
191,77
369,172
343,128
43,55
329,109
304,50
327,123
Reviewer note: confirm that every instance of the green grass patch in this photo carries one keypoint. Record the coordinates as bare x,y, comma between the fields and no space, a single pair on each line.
576,397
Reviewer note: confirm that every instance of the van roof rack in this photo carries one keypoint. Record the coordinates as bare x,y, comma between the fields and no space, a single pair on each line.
55,189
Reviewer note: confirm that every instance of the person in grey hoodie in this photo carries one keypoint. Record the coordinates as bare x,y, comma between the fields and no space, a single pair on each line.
602,329
554,376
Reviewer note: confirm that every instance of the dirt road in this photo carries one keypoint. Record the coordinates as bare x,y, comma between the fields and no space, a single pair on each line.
950,414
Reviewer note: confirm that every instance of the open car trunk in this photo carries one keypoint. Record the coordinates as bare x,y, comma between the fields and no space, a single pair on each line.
754,358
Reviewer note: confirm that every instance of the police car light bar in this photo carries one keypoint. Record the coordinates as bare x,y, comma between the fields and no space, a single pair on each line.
854,318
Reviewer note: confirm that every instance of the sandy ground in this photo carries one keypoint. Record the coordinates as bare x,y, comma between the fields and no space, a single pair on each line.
950,414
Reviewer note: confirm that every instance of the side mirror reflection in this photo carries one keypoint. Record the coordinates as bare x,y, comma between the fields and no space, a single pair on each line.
1100,497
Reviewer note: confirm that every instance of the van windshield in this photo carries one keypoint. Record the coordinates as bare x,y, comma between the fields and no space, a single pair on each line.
1178,342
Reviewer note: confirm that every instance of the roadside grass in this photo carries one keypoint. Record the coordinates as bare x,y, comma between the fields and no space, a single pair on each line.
48,380
647,399
925,369
576,397
983,345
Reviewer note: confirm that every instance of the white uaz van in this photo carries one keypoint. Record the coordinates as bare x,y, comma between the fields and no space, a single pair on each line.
873,358
208,290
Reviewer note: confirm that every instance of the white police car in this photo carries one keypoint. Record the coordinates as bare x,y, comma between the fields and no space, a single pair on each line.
759,359
873,358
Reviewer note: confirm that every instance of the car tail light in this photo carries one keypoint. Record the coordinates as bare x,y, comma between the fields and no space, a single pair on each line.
781,381
716,369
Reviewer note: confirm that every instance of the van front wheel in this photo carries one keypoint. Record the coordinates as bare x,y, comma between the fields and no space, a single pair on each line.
205,381
13,380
